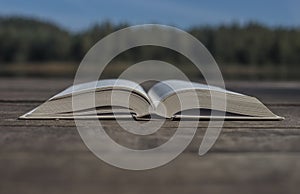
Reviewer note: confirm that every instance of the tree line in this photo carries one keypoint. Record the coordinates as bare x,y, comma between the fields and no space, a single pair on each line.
32,40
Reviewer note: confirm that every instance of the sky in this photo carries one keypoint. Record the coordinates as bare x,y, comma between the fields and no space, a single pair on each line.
79,14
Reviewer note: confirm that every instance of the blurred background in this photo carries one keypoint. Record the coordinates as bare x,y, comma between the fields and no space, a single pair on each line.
250,40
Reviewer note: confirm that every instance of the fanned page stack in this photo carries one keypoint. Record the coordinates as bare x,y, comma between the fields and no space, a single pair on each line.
172,99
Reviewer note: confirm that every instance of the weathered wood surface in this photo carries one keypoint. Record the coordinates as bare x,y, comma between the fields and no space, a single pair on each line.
50,157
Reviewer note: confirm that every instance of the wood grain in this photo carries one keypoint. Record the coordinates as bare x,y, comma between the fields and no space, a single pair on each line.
49,156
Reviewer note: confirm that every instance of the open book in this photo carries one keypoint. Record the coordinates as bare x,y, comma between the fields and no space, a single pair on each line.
117,98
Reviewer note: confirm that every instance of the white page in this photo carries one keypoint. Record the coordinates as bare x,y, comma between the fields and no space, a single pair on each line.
102,85
165,88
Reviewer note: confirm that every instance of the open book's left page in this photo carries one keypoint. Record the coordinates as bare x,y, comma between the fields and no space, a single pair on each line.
102,85
94,100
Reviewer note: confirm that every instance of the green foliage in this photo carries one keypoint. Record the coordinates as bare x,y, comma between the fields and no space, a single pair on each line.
31,40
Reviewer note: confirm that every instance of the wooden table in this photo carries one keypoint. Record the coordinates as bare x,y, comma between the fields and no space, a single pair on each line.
50,157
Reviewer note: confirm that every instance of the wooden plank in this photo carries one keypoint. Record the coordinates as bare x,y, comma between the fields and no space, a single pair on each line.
48,156
66,139
215,173
31,89
33,84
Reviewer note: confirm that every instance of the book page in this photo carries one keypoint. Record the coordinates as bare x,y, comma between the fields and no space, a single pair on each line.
102,85
163,89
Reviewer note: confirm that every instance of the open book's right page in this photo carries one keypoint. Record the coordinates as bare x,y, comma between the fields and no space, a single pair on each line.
238,106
